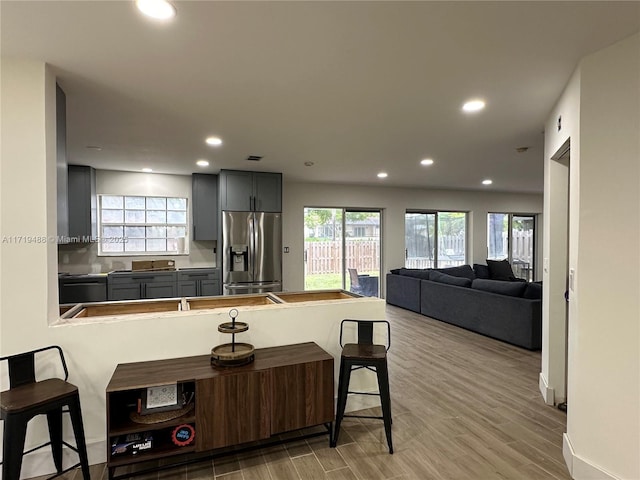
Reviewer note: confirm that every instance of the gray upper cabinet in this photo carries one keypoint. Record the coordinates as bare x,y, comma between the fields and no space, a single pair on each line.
250,191
267,192
83,221
61,161
204,206
236,190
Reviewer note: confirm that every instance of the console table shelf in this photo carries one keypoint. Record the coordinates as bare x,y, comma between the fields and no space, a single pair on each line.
285,388
123,428
158,452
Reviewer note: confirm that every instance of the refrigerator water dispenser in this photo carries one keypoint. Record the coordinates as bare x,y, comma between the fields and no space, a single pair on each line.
240,258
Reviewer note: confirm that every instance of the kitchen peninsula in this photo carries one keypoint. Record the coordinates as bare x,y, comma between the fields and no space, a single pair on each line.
98,341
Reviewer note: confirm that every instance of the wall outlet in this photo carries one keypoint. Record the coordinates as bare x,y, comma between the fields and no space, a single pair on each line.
286,249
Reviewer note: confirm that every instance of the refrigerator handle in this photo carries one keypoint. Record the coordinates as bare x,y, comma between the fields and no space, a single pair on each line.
252,246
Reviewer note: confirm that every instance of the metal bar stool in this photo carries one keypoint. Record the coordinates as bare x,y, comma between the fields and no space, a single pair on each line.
27,398
364,354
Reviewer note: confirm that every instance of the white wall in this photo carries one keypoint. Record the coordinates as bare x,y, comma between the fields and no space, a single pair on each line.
74,258
604,365
28,269
559,180
28,200
28,297
394,202
603,422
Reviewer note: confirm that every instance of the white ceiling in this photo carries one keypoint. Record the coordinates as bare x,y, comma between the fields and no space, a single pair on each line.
354,87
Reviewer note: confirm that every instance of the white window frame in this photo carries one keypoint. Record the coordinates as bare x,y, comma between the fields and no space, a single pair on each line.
182,248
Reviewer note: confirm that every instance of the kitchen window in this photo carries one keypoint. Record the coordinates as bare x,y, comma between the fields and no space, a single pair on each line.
139,225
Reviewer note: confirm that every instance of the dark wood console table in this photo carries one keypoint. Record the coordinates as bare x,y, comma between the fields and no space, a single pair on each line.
286,388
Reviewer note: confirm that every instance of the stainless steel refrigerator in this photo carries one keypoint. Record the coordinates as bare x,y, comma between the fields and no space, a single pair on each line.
251,252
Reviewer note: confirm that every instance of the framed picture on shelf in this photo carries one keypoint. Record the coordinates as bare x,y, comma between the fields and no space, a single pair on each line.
161,398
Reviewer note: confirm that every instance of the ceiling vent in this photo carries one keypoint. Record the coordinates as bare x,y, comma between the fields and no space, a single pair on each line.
254,158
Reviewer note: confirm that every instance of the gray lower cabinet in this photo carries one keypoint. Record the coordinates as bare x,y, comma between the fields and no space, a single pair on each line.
198,282
209,288
136,286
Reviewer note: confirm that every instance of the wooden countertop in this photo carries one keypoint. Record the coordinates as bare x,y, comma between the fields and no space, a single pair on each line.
174,370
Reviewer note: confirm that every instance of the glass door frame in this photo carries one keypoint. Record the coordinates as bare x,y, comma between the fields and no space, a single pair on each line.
346,211
436,234
531,269
343,242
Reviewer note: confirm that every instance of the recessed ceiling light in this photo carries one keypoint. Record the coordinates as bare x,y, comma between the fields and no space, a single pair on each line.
157,9
147,170
214,141
202,163
473,106
487,182
426,161
93,147
383,175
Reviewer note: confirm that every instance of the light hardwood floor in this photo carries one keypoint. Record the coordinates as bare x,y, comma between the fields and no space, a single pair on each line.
464,407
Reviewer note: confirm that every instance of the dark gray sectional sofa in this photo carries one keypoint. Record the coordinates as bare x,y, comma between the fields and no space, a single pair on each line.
510,311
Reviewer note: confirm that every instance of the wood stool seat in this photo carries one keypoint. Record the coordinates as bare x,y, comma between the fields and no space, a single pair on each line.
35,395
364,354
27,398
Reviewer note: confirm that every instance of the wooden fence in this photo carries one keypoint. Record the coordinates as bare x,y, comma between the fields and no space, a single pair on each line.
326,257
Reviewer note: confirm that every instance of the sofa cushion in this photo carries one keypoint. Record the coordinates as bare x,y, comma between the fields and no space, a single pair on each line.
512,289
449,279
421,273
481,271
500,270
460,271
533,291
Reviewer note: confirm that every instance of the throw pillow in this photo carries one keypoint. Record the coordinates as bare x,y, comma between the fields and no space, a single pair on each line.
395,271
481,271
422,274
449,279
500,270
512,289
460,271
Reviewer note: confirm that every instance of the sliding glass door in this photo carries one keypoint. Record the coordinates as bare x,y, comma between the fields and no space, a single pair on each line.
420,240
512,237
362,252
435,239
342,250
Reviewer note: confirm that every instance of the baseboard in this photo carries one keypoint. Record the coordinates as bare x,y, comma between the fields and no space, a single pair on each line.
40,462
548,393
579,468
